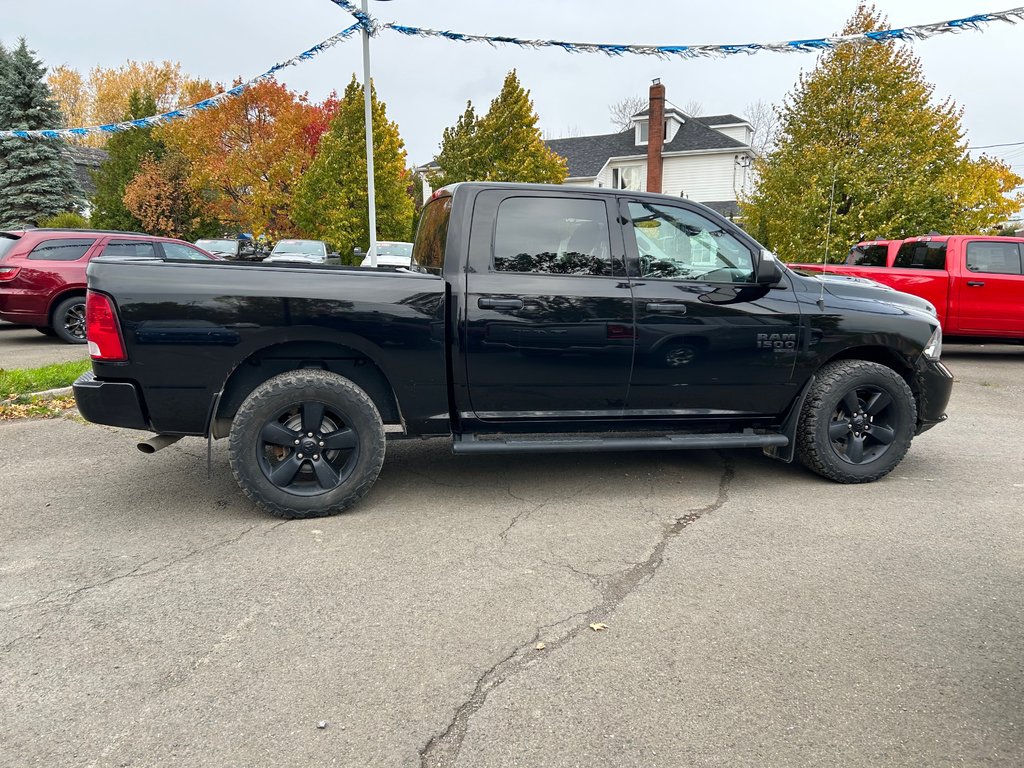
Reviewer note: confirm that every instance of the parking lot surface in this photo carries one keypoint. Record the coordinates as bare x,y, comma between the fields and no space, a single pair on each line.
756,615
24,347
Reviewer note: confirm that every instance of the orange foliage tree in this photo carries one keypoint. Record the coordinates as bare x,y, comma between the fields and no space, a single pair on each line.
246,155
161,198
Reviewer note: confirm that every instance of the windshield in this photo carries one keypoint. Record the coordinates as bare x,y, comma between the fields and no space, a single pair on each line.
307,247
6,243
394,249
221,246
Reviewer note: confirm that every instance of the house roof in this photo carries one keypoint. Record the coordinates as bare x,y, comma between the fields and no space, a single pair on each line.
722,119
587,155
85,160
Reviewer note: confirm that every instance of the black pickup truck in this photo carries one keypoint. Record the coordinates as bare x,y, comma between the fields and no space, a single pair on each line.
533,318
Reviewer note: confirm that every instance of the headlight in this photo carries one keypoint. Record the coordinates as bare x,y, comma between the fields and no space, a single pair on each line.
933,349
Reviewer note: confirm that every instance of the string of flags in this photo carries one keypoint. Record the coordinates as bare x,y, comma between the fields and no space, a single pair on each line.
186,112
364,21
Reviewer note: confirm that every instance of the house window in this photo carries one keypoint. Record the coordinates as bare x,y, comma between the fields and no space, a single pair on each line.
628,177
642,132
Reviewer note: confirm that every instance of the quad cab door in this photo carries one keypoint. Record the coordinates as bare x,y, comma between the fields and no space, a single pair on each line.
991,290
549,312
710,340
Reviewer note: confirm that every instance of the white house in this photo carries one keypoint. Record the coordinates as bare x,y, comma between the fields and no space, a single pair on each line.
705,159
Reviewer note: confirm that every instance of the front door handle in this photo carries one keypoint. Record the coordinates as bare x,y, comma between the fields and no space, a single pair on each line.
487,302
975,283
666,307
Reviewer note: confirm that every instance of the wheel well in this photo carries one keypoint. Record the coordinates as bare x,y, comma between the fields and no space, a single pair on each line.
56,300
337,358
887,357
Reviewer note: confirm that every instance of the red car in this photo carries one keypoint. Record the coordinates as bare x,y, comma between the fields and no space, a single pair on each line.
42,273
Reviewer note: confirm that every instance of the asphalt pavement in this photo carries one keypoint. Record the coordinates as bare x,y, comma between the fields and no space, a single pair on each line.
755,614
24,347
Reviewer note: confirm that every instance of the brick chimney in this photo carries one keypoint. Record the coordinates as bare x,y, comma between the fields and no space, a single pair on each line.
655,135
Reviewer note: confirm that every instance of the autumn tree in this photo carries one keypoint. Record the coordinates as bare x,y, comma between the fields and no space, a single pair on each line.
503,145
160,197
103,95
331,202
864,124
36,177
246,155
126,151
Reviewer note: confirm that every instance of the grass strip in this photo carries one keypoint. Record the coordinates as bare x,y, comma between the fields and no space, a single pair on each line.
23,381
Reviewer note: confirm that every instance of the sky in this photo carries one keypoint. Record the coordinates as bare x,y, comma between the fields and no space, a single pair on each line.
426,82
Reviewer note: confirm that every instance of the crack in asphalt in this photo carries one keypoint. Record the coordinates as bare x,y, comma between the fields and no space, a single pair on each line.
442,750
526,513
66,602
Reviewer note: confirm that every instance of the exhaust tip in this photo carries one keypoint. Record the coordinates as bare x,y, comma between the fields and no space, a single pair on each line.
157,442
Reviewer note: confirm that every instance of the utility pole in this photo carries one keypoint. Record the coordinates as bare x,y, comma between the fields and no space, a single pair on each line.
368,117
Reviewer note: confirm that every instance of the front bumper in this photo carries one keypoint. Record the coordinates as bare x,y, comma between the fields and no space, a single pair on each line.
116,403
934,386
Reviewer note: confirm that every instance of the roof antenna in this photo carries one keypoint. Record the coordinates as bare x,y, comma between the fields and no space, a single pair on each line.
828,237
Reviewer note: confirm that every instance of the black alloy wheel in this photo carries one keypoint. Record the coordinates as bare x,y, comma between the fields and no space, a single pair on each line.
864,425
69,320
857,421
307,443
308,449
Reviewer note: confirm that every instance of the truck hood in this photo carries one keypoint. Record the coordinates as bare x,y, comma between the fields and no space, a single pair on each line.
865,289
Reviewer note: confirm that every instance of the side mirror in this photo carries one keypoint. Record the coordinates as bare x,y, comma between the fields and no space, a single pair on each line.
769,271
333,255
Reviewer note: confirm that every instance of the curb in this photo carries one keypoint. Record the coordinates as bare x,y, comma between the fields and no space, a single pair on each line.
59,392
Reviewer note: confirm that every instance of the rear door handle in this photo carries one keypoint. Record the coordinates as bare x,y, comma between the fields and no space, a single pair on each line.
666,307
975,283
486,302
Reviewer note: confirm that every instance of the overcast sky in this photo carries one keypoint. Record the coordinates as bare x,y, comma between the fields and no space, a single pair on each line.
426,82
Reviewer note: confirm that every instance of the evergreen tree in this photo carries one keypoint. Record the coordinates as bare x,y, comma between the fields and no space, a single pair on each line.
331,201
36,178
126,152
864,122
503,145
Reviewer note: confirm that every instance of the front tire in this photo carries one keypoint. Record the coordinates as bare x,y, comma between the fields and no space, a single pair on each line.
69,320
306,443
857,422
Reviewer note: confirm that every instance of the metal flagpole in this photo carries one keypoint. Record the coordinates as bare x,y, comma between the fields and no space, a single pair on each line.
368,117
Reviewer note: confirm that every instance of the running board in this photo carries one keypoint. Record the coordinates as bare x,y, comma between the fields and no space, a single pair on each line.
471,443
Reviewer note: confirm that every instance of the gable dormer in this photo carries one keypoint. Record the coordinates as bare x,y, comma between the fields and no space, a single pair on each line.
674,120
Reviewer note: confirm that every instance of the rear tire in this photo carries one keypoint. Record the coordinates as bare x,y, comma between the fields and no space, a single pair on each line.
306,443
69,320
856,423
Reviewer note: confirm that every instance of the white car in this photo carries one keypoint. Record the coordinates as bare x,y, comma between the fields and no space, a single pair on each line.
391,254
298,252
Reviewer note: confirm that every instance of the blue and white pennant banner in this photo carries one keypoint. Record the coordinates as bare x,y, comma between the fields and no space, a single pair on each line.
366,22
185,112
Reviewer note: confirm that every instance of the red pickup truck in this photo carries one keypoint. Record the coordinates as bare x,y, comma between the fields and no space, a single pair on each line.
975,282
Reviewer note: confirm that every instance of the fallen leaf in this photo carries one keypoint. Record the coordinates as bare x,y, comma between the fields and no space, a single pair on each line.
598,626
539,647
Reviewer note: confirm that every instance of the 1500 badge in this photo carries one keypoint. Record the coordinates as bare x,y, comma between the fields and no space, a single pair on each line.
776,341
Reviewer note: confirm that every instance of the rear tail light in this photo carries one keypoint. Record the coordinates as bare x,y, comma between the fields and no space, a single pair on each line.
102,330
8,273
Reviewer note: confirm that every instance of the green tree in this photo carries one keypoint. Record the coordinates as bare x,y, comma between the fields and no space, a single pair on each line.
36,178
126,152
331,202
864,123
503,145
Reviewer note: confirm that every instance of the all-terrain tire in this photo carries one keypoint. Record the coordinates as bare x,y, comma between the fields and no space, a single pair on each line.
857,422
317,423
69,320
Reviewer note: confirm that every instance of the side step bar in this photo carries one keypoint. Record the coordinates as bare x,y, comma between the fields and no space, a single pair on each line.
471,443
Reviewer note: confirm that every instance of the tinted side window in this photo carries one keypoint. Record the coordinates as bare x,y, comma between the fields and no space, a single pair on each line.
994,258
129,249
867,255
679,244
179,251
431,235
66,249
552,235
921,255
